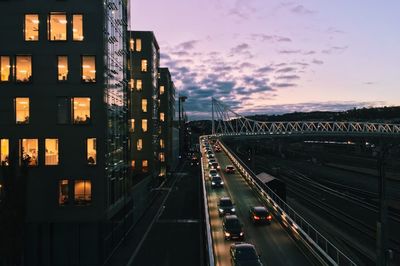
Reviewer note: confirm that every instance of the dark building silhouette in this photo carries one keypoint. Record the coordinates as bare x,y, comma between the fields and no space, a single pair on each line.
143,64
64,108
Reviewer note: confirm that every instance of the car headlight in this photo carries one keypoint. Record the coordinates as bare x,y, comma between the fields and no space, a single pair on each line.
227,234
222,182
233,209
212,183
241,233
221,210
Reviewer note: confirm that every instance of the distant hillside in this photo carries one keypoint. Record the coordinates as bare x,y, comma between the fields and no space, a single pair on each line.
379,114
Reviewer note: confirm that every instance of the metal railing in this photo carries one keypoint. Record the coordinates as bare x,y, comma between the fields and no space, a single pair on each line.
210,250
319,245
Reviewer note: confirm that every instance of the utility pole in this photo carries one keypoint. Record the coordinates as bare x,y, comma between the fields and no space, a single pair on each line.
381,225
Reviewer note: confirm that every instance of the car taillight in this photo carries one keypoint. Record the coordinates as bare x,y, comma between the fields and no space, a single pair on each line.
269,217
256,217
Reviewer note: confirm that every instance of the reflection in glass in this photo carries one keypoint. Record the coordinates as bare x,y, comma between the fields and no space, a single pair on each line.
88,68
57,25
62,68
77,27
29,151
22,110
81,110
63,197
31,27
83,192
5,68
23,68
51,146
91,151
4,152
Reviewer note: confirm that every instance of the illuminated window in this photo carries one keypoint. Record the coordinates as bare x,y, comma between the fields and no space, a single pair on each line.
88,69
77,27
131,44
51,146
132,125
133,163
57,27
162,90
23,68
132,84
31,27
162,117
29,151
62,66
139,84
63,110
22,110
4,152
138,45
139,145
5,68
144,125
162,157
145,166
143,65
83,192
63,196
144,105
91,151
81,110
162,144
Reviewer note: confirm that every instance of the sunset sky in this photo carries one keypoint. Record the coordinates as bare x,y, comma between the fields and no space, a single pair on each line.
276,56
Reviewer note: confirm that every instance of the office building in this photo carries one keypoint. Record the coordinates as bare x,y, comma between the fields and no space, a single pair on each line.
64,112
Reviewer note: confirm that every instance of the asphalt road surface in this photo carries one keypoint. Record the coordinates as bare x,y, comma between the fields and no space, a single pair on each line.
272,241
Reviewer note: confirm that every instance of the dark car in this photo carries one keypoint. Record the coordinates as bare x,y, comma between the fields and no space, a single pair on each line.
210,162
260,215
244,254
226,206
215,165
233,229
194,161
216,181
230,169
210,156
217,149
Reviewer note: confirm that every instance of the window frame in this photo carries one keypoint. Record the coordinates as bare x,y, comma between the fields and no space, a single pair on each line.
15,110
62,81
71,108
58,151
87,154
95,68
83,27
6,163
49,26
141,66
20,157
14,66
91,191
24,28
68,192
10,75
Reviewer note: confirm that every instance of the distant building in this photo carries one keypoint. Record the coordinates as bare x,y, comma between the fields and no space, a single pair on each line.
143,64
167,117
63,110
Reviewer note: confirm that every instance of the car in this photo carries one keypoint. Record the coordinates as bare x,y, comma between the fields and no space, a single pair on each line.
213,172
216,181
244,254
218,149
260,215
226,206
215,165
194,161
211,161
210,156
230,169
232,227
209,151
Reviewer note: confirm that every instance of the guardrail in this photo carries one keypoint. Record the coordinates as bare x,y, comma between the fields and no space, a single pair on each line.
320,246
211,261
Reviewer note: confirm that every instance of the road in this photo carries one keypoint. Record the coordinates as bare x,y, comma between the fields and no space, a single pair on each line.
272,241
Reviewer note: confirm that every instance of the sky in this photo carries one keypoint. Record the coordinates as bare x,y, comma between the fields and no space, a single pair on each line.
267,56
